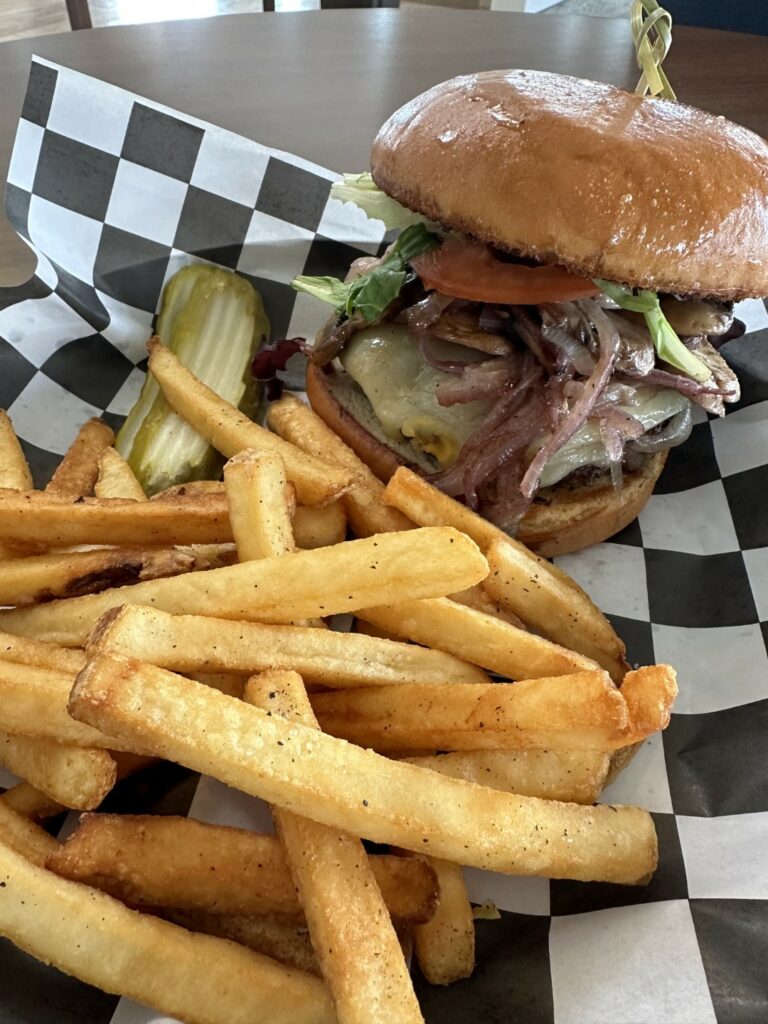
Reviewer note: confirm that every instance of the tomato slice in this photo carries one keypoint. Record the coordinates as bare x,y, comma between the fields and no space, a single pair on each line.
469,270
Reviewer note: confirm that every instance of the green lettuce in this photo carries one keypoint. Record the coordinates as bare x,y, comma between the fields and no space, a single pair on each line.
371,293
666,342
361,190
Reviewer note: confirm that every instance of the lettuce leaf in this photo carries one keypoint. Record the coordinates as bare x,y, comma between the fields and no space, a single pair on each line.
361,190
371,293
666,342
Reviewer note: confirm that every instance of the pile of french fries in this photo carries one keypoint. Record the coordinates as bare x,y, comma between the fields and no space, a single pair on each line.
194,627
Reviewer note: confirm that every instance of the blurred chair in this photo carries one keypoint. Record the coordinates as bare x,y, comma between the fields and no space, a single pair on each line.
326,5
79,14
731,15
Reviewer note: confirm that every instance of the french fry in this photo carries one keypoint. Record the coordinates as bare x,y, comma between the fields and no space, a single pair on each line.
21,835
225,682
41,518
212,556
72,776
351,930
650,693
14,471
166,861
552,607
191,489
32,803
300,585
197,978
445,945
194,643
116,479
430,507
39,654
33,702
476,637
295,421
271,935
319,526
260,508
78,471
368,629
230,431
541,594
40,578
478,598
583,711
258,511
357,790
573,776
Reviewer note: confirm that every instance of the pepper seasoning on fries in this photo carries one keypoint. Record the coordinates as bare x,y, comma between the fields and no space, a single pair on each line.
90,691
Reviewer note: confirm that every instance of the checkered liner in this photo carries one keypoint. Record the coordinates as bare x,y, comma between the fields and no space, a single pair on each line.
114,193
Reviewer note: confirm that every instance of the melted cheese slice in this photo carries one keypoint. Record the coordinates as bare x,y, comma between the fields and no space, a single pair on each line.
586,447
387,364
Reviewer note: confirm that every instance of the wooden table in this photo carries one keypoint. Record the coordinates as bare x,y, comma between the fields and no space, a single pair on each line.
320,83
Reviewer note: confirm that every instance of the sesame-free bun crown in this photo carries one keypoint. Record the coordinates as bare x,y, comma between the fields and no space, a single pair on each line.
647,192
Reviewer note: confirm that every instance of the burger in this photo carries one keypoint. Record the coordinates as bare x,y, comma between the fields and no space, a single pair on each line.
536,337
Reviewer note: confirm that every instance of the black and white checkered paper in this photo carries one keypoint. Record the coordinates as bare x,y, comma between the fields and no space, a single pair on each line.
114,193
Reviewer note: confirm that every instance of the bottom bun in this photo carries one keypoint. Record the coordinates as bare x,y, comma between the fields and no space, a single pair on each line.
565,519
562,519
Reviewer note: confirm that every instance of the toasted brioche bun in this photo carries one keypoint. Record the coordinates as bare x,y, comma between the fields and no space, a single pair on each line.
646,192
564,519
561,520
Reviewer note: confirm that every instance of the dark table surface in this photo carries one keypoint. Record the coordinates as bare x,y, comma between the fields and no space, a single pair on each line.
320,83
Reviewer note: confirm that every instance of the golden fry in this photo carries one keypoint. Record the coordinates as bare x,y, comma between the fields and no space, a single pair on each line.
32,803
356,790
281,939
478,598
476,637
574,776
194,977
192,489
78,471
33,702
43,518
300,585
116,479
14,471
319,526
351,930
194,643
445,945
650,693
258,510
71,776
583,711
538,592
40,578
21,835
39,654
166,861
553,607
295,421
230,431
